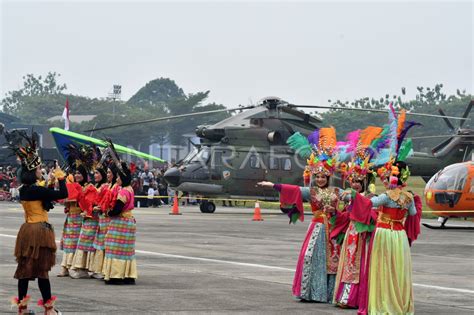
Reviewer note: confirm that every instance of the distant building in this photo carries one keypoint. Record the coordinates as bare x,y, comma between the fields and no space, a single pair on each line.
73,118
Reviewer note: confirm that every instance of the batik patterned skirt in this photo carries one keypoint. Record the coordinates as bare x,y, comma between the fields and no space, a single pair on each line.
312,281
119,262
352,267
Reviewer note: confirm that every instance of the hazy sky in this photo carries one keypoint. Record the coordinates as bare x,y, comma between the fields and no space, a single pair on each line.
306,52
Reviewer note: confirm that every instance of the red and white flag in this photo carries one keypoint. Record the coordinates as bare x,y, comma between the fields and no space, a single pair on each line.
66,115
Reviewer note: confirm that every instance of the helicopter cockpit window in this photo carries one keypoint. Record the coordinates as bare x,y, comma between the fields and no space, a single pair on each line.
273,163
254,161
286,164
190,155
202,156
452,178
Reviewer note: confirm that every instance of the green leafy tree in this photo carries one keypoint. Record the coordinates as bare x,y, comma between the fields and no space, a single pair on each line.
14,102
138,136
163,97
193,103
157,92
427,100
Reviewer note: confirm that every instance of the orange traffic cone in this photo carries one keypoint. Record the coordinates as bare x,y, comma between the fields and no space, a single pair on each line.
257,216
175,209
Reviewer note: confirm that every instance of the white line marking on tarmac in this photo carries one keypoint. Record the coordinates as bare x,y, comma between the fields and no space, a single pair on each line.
435,287
442,288
212,260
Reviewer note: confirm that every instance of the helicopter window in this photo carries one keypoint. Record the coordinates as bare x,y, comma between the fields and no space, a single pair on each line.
217,158
286,164
254,161
451,178
202,156
190,155
273,163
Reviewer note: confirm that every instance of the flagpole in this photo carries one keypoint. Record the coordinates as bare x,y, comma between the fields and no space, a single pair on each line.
65,115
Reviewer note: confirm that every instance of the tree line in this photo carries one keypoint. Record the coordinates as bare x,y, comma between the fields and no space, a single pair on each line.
43,97
427,101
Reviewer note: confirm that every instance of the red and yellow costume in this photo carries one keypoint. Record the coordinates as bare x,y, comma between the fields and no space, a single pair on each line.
353,262
72,224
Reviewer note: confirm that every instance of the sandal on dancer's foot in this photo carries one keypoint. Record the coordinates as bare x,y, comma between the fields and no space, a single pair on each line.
96,275
64,272
78,274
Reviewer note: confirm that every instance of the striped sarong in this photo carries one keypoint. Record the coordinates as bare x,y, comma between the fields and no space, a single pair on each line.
87,236
71,232
120,238
101,232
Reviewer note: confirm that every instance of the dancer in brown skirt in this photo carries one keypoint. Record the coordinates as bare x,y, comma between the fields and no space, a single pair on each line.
35,248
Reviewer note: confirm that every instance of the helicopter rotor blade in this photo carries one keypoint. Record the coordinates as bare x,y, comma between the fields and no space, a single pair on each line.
374,110
446,120
441,145
170,117
442,136
466,113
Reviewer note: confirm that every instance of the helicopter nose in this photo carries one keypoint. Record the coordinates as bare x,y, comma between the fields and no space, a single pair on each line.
172,176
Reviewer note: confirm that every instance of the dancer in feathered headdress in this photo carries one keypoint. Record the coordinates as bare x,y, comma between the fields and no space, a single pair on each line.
389,281
119,265
100,192
73,221
357,156
35,248
78,159
319,149
82,159
105,175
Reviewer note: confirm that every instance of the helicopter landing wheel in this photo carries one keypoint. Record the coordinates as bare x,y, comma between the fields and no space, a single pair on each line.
207,207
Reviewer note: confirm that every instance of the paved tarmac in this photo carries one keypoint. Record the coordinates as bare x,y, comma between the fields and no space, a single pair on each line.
224,263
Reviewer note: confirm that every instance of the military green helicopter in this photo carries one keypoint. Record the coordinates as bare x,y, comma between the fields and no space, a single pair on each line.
457,148
250,146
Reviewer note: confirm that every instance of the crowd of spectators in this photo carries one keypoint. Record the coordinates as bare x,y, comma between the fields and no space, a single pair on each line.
8,183
9,180
151,190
